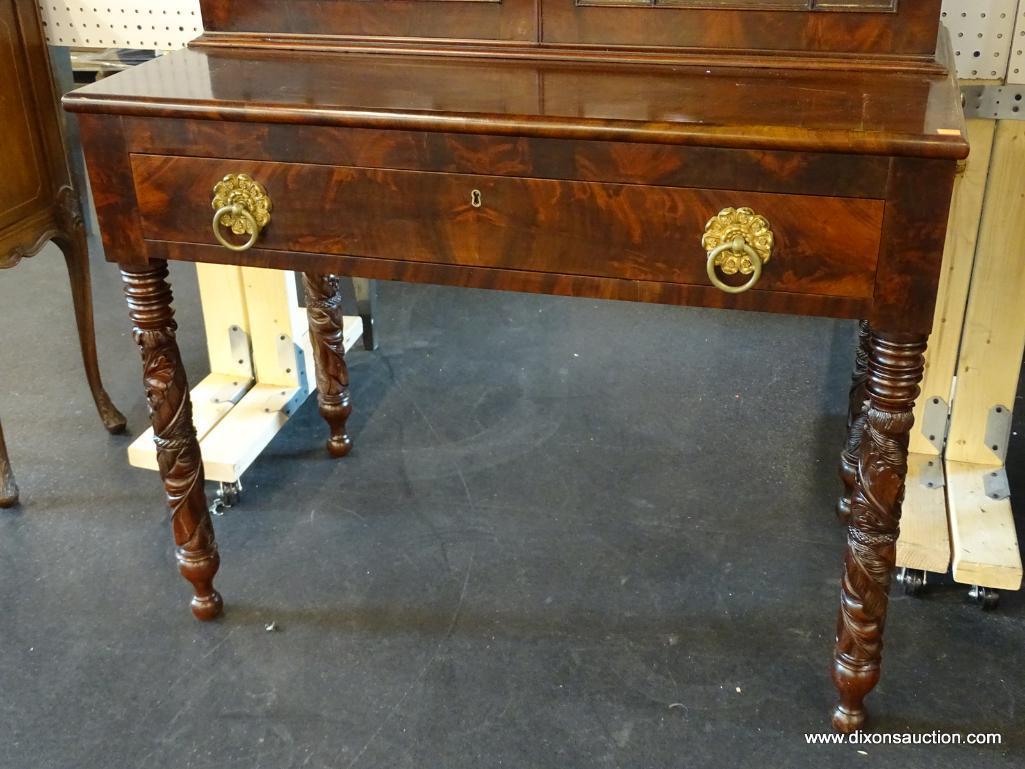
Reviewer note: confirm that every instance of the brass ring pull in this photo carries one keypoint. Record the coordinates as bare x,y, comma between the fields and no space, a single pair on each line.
241,205
248,220
737,246
737,241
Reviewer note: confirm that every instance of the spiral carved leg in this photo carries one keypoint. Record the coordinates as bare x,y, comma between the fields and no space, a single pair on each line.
856,415
895,368
178,455
74,246
8,488
324,310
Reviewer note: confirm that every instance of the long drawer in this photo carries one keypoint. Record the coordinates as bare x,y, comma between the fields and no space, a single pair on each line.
823,245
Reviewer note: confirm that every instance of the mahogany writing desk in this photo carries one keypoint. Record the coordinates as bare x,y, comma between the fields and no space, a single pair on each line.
790,156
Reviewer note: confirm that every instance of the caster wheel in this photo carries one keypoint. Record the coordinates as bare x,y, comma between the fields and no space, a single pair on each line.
987,598
230,493
913,581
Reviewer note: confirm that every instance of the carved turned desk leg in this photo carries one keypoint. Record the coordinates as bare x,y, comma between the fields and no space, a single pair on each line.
895,368
76,255
8,488
855,422
324,310
178,455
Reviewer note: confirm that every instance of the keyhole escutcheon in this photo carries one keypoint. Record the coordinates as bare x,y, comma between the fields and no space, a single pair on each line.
475,199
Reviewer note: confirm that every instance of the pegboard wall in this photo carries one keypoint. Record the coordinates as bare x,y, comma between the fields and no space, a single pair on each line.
983,32
1016,72
158,24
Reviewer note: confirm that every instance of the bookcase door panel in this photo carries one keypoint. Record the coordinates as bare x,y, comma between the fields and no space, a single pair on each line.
502,20
759,5
873,27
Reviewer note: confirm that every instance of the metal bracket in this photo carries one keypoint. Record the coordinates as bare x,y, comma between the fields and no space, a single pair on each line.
995,484
994,102
936,422
292,361
286,353
241,354
998,430
304,380
929,470
297,400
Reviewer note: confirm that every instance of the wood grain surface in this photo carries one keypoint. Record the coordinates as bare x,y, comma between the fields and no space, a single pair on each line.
823,245
772,25
704,105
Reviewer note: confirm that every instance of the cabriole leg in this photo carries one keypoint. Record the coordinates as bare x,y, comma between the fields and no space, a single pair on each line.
855,422
895,368
178,455
76,256
324,310
8,488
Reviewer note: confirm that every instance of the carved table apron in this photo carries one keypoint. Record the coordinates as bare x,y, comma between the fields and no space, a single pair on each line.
813,194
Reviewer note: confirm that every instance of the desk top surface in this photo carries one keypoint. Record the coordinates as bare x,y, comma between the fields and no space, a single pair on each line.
714,104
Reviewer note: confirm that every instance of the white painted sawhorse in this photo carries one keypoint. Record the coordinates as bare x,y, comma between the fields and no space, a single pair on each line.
258,343
957,508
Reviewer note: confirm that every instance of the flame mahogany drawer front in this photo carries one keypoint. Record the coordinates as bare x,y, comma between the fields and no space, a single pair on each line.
823,245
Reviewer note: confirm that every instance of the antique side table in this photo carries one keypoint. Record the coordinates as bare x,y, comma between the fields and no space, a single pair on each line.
790,156
37,201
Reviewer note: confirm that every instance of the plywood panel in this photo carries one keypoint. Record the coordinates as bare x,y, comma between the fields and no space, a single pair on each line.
212,399
924,539
222,295
982,530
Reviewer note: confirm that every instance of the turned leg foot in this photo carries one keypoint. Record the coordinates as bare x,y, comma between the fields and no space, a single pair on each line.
199,567
8,488
324,309
853,685
76,256
895,368
858,401
178,455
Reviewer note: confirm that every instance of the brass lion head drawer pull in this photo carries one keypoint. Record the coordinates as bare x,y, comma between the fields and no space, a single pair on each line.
241,205
737,240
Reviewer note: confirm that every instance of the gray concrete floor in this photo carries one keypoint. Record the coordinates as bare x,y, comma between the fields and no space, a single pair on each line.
572,534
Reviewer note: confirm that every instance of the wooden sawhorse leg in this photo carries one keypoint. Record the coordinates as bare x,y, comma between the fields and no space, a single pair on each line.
895,367
8,488
178,455
986,553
